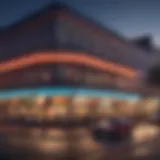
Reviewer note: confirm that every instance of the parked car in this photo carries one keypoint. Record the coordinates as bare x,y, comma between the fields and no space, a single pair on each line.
115,129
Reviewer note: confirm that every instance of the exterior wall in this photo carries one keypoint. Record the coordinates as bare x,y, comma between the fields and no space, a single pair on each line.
73,35
27,38
71,32
69,75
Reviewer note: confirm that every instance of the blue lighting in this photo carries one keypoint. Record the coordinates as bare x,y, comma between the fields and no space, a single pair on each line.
62,91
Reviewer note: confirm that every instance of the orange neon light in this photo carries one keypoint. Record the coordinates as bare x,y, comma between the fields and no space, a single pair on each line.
66,57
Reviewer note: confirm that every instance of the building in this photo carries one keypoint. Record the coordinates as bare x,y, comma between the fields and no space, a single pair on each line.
59,47
60,29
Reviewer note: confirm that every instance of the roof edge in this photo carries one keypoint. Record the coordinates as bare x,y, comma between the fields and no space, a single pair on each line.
37,13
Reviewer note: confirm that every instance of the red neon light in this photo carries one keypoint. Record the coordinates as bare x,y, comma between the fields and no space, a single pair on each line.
66,57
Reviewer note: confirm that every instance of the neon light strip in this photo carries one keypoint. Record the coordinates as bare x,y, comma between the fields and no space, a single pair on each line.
60,91
66,57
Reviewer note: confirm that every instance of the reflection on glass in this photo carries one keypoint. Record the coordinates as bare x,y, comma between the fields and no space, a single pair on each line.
93,105
147,106
79,106
59,107
105,107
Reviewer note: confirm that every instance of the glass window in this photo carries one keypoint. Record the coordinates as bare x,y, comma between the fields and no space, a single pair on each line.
105,106
4,108
105,103
116,106
151,105
131,107
26,106
40,101
93,105
80,106
141,107
59,107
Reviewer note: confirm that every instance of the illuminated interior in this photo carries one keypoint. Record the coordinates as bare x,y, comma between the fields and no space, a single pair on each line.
67,57
61,103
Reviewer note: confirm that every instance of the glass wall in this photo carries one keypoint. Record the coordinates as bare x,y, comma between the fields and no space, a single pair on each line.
62,106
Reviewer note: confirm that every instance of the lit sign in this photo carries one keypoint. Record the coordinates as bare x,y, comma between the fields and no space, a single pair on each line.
67,57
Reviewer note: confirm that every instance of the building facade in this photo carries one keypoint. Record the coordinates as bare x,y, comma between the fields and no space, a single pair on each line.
57,47
60,28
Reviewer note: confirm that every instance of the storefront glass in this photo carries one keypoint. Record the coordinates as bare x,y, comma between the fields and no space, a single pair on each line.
87,104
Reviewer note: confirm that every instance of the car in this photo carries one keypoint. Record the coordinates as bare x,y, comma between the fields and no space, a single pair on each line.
112,130
100,129
123,126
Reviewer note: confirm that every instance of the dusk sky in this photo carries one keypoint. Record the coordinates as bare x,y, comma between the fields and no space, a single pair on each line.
129,17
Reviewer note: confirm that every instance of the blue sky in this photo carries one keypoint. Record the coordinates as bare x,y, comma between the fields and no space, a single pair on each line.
129,17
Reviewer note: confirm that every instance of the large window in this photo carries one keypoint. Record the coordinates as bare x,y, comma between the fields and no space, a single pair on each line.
105,106
62,104
80,106
59,107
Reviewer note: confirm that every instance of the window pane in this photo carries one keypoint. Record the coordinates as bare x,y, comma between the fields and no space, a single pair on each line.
80,106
